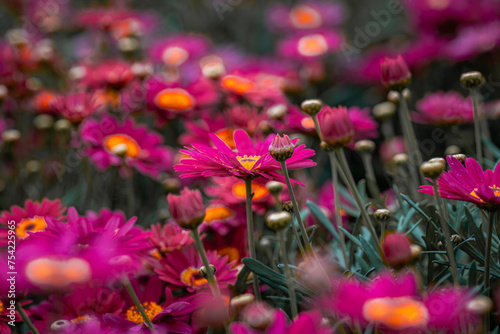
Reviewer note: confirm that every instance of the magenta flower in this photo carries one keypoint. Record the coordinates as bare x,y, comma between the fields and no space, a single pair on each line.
107,142
169,237
390,147
335,126
306,47
180,270
76,107
114,74
221,218
187,209
365,127
444,108
469,184
249,160
178,49
394,73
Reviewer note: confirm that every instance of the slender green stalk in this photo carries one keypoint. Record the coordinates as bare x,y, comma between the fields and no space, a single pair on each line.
357,197
130,196
250,231
414,155
137,303
487,255
447,235
296,234
90,185
296,210
477,126
212,282
371,181
288,273
25,318
338,218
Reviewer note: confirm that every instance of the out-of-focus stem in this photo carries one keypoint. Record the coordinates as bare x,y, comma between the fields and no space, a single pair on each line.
137,302
371,181
487,255
447,235
90,185
130,196
250,231
25,318
288,274
338,218
296,234
212,282
477,127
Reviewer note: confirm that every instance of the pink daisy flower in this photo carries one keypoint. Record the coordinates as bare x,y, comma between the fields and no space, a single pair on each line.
468,183
108,142
444,108
310,46
178,49
31,218
169,237
364,125
76,107
180,270
249,160
221,218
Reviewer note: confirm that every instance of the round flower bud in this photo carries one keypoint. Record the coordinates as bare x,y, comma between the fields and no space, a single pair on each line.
11,136
456,239
397,249
171,184
432,169
203,272
163,214
394,73
287,206
258,315
325,147
460,157
3,92
238,302
281,148
452,150
212,67
142,70
393,96
128,44
43,122
33,166
60,326
311,107
274,187
438,161
472,80
400,159
480,305
365,146
278,220
416,251
62,125
187,209
382,215
277,111
335,126
384,110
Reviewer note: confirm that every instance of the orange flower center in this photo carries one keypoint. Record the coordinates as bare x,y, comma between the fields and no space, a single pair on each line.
43,100
248,161
191,277
231,252
397,313
217,212
174,99
258,190
80,319
494,188
35,224
1,307
237,85
125,28
57,273
122,143
226,135
438,4
174,56
151,309
305,17
312,45
307,123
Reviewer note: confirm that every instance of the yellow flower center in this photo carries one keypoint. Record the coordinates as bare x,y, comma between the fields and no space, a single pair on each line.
174,56
217,212
119,143
226,135
175,99
42,101
35,224
238,85
151,309
397,313
191,277
494,188
307,123
80,319
231,252
248,161
312,45
258,190
305,17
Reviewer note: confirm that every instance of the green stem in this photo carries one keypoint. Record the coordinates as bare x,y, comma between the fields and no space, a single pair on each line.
487,255
250,231
414,155
357,197
371,181
447,235
137,303
25,318
90,185
288,274
296,210
477,127
338,217
296,234
130,196
212,282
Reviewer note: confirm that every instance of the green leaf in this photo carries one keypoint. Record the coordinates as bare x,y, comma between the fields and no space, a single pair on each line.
351,237
492,147
472,274
476,232
316,212
372,253
415,206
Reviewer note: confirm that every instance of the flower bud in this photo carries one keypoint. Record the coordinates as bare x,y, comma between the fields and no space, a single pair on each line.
287,206
456,239
187,209
278,220
62,125
432,169
452,150
400,159
281,148
382,215
203,272
33,166
3,92
277,112
171,184
274,187
416,251
311,107
460,157
472,80
480,305
365,146
384,110
212,67
397,249
11,136
393,96
394,73
238,302
335,126
258,315
43,122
